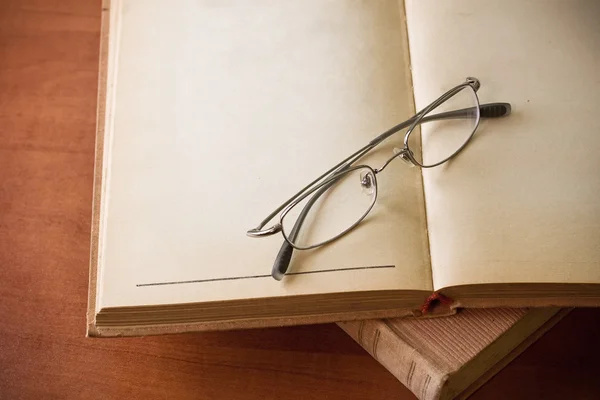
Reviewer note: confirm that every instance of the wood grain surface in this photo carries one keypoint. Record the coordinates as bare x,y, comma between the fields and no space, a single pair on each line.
48,85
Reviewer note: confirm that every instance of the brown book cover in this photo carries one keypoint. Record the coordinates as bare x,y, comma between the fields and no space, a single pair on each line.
450,357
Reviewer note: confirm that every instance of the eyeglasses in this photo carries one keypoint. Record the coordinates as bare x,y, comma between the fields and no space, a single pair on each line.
337,201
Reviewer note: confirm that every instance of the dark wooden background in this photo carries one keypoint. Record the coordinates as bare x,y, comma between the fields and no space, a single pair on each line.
48,83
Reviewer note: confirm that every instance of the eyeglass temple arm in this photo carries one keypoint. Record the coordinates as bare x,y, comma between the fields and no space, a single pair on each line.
490,110
282,261
284,256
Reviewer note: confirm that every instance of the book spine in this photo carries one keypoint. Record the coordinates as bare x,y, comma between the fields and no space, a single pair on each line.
401,359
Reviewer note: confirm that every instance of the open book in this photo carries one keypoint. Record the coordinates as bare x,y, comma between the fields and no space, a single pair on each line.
211,114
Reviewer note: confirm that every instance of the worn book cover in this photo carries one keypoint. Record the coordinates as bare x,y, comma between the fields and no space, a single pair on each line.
451,357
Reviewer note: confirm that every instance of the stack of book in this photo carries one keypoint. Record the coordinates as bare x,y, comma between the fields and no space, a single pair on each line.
212,115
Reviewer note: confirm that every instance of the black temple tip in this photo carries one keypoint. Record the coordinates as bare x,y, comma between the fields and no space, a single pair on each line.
495,110
282,261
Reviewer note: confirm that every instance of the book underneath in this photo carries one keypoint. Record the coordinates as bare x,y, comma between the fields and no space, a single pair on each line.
451,357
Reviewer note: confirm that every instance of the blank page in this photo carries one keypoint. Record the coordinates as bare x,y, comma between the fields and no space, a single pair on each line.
220,111
522,202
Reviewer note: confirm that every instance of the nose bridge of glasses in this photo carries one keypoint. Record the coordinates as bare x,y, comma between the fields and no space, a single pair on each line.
398,153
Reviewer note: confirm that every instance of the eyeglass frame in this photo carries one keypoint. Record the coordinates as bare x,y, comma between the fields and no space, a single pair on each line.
488,110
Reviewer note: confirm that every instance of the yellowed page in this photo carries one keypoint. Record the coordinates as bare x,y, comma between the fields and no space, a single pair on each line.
522,202
220,111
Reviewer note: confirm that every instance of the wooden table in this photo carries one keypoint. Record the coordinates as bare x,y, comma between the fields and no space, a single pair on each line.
48,83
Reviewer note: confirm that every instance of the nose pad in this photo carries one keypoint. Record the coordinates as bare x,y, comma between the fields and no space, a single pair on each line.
367,183
401,153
